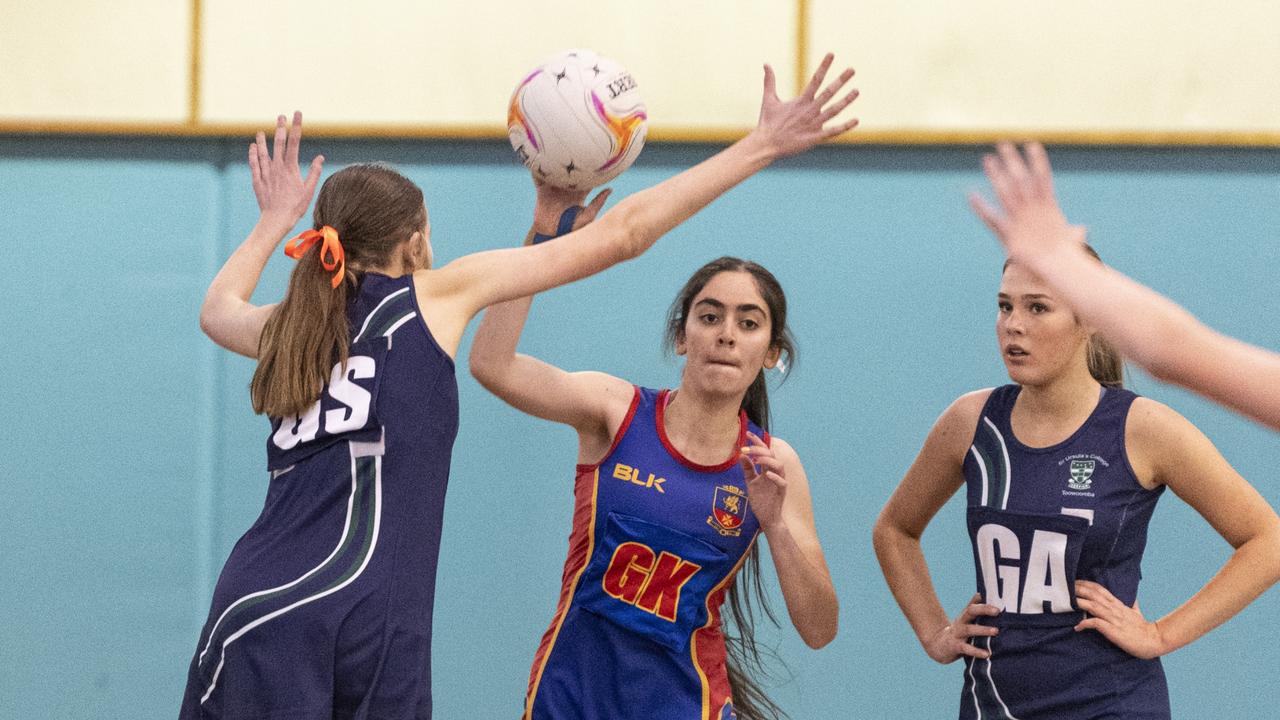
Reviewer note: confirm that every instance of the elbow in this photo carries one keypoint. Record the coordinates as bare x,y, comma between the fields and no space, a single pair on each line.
1272,553
208,324
489,370
819,637
483,368
883,536
624,228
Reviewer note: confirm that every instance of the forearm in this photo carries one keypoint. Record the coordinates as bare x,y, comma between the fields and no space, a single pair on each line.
903,564
1142,324
493,351
1252,569
806,588
653,212
239,275
1162,337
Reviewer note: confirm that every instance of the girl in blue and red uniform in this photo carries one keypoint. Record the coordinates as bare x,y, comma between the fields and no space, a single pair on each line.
324,607
1062,471
672,488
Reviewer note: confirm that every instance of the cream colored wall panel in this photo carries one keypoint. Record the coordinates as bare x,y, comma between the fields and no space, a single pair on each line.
1094,65
81,60
456,63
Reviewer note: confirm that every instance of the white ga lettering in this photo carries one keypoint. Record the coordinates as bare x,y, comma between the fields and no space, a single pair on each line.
1046,579
299,429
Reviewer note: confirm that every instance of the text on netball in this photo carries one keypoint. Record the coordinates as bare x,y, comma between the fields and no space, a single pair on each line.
621,85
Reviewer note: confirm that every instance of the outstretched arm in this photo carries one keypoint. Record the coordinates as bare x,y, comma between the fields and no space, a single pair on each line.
227,316
778,492
1145,326
592,402
785,128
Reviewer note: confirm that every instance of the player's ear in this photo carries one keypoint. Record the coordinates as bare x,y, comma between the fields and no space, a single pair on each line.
772,357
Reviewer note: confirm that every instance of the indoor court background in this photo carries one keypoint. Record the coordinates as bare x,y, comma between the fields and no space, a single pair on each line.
132,462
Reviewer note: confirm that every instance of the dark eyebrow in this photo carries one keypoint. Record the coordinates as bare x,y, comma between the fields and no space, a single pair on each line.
744,308
1025,296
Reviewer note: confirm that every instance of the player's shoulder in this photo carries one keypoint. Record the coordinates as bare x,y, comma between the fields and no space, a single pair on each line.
965,410
954,428
1152,424
783,449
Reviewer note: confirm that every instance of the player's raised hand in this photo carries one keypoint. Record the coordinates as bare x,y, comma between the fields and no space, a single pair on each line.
283,194
953,641
552,202
1123,625
766,483
1027,219
800,123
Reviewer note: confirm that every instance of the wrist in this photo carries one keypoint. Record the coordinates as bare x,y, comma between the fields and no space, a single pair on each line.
774,530
546,218
760,147
276,225
563,225
1163,647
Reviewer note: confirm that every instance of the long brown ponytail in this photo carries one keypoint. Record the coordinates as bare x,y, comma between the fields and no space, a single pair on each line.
743,662
374,209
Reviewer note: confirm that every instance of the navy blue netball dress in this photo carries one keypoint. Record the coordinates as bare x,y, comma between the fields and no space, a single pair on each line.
324,606
657,541
1040,519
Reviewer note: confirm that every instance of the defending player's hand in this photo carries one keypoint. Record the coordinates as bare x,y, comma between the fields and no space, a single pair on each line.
952,641
766,481
1028,219
283,194
1123,625
800,123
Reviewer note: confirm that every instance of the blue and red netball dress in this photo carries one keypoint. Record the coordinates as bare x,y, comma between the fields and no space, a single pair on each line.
657,540
324,606
1039,519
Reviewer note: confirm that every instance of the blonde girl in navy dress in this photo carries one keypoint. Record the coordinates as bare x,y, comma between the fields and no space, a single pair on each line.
1062,471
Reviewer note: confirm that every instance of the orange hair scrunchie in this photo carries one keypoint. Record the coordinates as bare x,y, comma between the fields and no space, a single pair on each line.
331,255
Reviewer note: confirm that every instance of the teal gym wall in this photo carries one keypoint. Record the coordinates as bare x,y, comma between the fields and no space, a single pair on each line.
132,462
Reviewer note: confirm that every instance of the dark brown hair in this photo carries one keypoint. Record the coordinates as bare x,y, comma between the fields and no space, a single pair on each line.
743,661
374,209
1106,365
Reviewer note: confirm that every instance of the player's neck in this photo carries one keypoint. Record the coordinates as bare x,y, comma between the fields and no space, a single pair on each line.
704,428
1057,408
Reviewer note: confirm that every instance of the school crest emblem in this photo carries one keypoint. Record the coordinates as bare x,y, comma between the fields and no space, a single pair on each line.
1081,474
728,510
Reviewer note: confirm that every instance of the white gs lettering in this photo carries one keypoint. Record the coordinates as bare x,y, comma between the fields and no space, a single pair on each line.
299,429
356,398
295,429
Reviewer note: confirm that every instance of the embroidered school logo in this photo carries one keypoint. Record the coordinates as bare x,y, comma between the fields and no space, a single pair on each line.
1081,474
728,511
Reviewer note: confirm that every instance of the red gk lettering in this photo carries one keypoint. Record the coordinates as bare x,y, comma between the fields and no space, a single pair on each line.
653,584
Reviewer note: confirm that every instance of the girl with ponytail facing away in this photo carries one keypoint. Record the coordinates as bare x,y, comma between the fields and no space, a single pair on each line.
323,609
